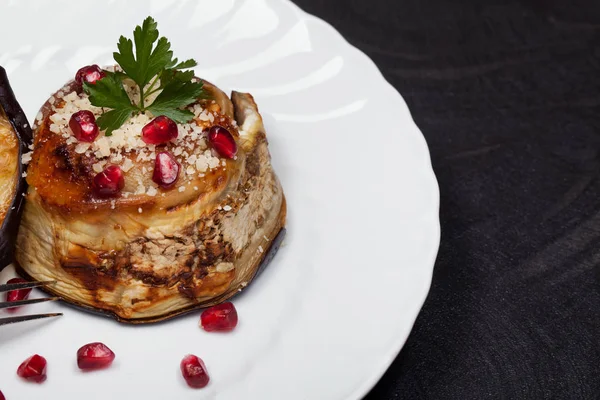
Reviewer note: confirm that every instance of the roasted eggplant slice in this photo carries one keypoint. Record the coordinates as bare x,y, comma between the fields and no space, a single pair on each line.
153,251
15,137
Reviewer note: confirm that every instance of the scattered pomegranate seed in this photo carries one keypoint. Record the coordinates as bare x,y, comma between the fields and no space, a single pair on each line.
222,141
160,130
166,170
194,371
109,182
16,295
83,125
33,369
2,396
94,356
222,318
90,73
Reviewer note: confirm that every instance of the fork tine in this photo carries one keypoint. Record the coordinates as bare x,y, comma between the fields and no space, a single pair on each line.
18,303
27,285
23,318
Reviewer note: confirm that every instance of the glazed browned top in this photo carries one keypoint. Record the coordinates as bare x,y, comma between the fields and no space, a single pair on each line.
61,169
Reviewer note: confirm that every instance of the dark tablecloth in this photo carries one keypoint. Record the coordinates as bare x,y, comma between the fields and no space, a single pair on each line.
506,94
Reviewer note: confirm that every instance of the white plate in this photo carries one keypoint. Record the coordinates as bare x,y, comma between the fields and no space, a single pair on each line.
332,311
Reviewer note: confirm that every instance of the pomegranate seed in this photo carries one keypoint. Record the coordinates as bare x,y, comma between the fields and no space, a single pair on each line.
160,130
2,396
16,295
166,170
222,317
94,356
83,125
194,371
90,73
109,182
222,141
33,369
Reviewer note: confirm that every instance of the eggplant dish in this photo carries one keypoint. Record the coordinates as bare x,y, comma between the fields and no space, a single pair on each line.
151,192
154,248
15,137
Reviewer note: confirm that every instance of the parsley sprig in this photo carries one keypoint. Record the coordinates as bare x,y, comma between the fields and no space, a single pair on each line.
152,64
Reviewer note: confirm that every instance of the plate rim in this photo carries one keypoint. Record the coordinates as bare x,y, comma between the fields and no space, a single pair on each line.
360,391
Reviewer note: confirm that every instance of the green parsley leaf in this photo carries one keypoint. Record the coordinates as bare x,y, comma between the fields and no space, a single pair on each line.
179,91
113,119
109,92
186,64
147,62
150,63
168,75
177,115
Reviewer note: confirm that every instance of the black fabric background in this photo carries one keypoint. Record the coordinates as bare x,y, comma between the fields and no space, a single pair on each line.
506,93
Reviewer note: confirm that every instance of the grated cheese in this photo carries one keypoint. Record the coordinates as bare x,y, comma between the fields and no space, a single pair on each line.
98,167
81,148
125,146
26,157
127,165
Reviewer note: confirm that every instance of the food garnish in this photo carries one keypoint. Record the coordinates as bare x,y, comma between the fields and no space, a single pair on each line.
153,69
109,182
220,318
94,356
160,130
194,371
33,369
90,74
166,170
222,141
16,295
83,125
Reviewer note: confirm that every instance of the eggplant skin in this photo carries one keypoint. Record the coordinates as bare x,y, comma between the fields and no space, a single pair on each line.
15,137
151,266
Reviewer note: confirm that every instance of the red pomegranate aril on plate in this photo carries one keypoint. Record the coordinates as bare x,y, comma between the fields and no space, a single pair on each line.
222,141
90,74
83,125
33,369
220,318
109,182
94,356
16,295
166,170
160,130
194,372
2,396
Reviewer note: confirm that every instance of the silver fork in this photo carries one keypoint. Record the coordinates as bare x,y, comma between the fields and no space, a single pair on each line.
19,303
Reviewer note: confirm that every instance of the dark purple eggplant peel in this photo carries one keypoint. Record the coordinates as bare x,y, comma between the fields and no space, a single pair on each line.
15,137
